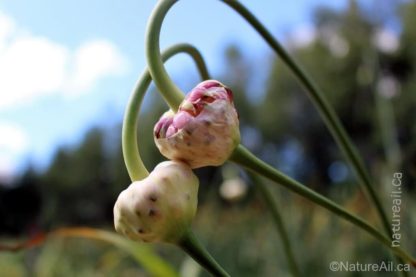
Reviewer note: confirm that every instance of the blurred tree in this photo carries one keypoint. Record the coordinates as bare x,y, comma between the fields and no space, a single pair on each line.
20,205
77,185
348,61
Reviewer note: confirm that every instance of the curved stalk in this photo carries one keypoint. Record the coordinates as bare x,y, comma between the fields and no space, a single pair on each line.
173,96
278,222
324,108
170,92
131,154
245,158
135,166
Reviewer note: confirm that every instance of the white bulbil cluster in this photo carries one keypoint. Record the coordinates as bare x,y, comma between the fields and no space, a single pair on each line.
204,132
159,207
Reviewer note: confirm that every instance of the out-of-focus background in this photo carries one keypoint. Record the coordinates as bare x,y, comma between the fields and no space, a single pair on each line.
66,72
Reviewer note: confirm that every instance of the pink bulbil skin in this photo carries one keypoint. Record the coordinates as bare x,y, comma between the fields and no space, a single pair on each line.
205,130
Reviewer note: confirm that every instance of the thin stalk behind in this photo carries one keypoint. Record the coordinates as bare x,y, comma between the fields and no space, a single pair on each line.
325,110
245,158
278,222
173,96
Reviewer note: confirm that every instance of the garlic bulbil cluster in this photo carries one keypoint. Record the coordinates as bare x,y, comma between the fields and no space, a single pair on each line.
159,207
204,131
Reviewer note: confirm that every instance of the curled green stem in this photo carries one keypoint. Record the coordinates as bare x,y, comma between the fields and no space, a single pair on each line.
245,158
135,166
131,153
278,221
173,96
170,92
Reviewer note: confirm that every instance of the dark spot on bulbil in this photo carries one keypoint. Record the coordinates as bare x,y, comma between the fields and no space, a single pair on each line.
188,131
138,213
207,123
152,212
188,143
184,160
153,198
141,231
208,138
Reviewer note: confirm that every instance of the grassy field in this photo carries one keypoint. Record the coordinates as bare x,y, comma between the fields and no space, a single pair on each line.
240,235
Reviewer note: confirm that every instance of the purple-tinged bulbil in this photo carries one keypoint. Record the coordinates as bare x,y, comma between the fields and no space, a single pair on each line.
204,131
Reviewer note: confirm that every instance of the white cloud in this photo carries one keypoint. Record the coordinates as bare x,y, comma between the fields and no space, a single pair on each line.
7,27
12,138
34,66
14,143
92,61
31,67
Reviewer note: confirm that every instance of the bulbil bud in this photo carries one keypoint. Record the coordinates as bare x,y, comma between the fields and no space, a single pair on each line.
204,131
159,207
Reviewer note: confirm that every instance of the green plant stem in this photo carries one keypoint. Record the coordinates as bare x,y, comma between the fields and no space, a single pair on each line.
327,113
134,163
135,166
388,131
170,92
278,221
173,94
245,158
196,250
384,114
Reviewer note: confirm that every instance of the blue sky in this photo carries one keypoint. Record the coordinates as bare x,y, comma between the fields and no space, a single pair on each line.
68,65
